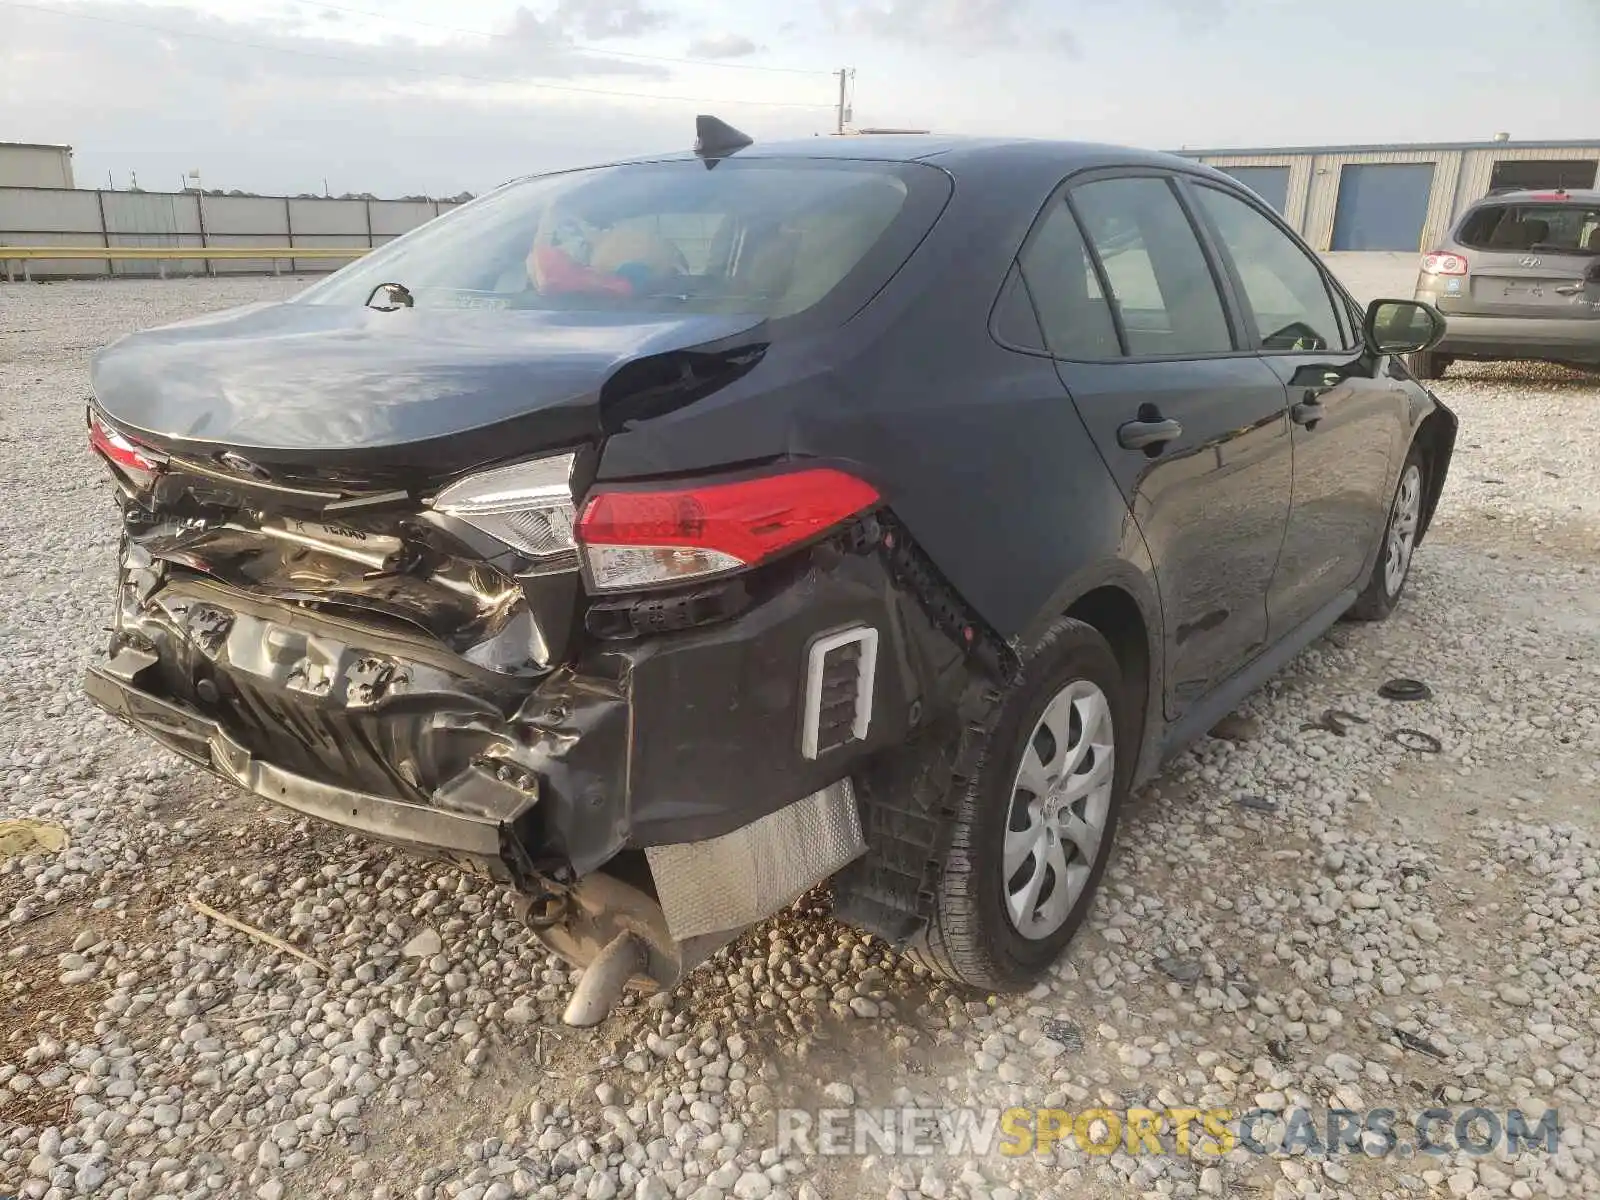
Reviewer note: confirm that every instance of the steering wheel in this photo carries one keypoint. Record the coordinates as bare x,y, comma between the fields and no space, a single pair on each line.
1296,335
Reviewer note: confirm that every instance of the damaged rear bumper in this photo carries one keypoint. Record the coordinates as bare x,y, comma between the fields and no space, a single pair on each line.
470,839
671,789
702,894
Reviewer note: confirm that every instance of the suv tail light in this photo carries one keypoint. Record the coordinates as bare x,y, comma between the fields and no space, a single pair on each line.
636,539
1443,263
139,465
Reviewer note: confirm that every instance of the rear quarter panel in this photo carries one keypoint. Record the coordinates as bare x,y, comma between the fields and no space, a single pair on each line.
976,447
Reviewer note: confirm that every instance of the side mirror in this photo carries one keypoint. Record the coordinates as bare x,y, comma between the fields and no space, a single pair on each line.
1402,326
387,297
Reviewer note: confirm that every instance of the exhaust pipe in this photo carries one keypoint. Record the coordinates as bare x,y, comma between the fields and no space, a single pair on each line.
706,894
604,981
617,935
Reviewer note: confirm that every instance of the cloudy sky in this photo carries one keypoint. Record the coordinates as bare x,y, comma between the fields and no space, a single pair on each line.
402,96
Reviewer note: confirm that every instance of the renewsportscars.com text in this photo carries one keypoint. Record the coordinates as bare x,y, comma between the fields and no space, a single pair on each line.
1015,1132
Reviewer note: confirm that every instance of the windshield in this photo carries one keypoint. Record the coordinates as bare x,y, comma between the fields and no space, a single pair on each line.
1555,228
762,237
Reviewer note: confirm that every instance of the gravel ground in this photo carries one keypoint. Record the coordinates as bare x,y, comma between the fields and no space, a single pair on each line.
1371,926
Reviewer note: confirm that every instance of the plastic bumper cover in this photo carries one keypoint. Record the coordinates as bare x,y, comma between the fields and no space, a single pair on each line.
658,741
1522,337
470,839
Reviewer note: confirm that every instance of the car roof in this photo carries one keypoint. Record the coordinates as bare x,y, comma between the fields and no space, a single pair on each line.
1011,171
957,154
1542,196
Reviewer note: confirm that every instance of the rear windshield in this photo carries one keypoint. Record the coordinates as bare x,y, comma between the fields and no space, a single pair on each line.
763,237
1555,228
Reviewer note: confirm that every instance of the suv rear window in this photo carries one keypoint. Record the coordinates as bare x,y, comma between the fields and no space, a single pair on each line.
766,237
1567,228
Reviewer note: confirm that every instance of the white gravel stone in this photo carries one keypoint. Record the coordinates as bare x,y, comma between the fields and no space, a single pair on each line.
425,944
1515,995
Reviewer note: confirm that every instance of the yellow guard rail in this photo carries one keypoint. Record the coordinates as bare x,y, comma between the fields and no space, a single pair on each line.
161,255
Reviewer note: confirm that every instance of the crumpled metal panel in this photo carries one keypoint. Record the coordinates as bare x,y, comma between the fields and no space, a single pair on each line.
745,876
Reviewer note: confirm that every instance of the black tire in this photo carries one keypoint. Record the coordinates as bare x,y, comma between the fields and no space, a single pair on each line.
1427,365
971,937
1379,598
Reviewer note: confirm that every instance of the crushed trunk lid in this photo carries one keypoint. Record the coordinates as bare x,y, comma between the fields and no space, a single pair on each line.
349,392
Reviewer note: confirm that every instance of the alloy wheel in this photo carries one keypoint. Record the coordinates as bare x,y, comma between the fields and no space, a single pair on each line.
1060,802
1403,529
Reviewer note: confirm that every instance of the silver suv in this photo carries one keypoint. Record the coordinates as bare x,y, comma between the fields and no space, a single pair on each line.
1518,278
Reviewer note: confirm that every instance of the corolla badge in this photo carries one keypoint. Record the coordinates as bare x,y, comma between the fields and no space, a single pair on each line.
241,464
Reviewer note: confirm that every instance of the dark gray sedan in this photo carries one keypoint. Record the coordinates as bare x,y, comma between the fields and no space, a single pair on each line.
665,538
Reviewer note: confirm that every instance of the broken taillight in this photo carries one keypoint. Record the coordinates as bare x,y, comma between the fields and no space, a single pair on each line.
137,464
527,506
648,537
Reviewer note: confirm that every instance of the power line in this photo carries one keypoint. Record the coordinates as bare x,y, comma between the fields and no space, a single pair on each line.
367,62
574,47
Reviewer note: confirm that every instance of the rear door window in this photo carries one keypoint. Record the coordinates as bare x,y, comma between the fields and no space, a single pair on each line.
1163,289
1073,310
1284,289
1568,228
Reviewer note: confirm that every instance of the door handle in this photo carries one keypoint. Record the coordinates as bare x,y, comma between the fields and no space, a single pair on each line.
1309,411
1141,435
1572,289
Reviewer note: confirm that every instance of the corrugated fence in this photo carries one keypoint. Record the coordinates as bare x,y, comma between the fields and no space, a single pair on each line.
81,217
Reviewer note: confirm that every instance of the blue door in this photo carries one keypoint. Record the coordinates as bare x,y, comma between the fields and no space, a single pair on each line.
1382,206
1270,183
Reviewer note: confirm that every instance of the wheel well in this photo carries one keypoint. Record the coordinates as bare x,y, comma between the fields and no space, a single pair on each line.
1115,614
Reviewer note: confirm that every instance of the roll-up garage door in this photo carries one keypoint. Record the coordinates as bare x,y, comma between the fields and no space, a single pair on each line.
1382,206
1270,183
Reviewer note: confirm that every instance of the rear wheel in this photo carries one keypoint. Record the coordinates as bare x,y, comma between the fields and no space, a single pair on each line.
1427,364
1389,573
1034,827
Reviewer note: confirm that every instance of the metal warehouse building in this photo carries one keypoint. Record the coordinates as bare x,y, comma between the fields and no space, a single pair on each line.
35,164
1397,197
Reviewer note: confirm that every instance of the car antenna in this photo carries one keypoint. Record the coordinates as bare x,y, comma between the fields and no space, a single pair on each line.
714,140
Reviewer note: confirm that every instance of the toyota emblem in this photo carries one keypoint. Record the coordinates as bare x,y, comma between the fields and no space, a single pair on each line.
241,464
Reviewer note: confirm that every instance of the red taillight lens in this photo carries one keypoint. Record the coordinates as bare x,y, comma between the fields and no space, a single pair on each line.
641,538
138,464
1440,263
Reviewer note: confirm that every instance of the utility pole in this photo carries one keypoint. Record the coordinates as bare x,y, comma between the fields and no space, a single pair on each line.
845,74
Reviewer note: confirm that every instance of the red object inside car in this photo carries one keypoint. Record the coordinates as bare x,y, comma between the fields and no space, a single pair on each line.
559,272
